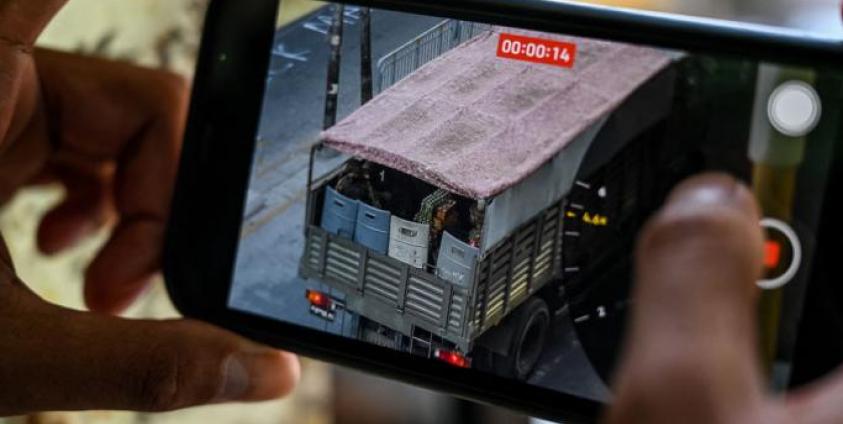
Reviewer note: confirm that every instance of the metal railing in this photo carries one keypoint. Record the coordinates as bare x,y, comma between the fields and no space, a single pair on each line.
428,46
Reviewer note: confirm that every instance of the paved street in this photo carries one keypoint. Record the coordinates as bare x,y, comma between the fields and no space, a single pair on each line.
266,276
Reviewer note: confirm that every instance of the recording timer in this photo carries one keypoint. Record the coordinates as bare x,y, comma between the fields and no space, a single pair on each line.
537,50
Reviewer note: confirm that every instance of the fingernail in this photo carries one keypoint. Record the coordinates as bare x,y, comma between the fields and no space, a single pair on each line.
237,380
255,374
713,190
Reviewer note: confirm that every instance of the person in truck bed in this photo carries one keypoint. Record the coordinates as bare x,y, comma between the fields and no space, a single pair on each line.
357,184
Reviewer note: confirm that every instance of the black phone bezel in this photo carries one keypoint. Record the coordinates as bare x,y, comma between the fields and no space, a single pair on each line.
228,91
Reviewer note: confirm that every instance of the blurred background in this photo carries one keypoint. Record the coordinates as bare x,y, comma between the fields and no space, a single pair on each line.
165,34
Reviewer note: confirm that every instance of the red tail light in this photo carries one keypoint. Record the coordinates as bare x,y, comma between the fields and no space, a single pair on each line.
454,358
319,299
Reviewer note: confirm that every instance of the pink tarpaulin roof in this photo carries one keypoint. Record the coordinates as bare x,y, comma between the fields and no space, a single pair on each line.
476,124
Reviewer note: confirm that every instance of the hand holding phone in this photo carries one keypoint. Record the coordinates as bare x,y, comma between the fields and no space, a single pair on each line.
111,134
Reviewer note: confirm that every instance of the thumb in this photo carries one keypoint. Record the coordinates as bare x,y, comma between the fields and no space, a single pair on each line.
57,359
691,353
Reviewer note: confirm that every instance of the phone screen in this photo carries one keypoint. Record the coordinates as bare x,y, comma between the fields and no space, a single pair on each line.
471,193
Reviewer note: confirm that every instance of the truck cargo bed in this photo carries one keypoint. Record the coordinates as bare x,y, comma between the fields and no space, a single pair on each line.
403,298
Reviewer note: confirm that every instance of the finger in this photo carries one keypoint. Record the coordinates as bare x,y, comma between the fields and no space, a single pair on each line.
144,189
66,360
143,193
125,266
86,208
692,347
134,117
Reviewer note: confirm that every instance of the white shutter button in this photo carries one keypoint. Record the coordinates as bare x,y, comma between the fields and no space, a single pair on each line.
794,109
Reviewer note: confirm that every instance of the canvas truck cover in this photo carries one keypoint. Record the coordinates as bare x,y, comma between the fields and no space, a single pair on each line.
476,124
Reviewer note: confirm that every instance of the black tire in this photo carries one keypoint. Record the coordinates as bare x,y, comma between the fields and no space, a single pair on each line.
531,323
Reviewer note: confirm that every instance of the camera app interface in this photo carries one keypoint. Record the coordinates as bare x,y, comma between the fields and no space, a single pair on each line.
471,194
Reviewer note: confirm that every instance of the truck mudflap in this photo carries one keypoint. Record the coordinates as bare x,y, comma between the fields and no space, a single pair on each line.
387,290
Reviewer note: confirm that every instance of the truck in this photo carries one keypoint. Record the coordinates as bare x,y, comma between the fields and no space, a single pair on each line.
445,229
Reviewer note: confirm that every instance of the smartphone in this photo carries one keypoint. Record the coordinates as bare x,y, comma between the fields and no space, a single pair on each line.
449,194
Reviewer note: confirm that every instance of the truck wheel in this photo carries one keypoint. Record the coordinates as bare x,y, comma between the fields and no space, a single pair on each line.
532,321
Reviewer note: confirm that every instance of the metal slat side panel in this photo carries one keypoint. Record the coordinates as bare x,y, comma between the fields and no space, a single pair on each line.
341,263
502,265
449,297
510,270
379,267
544,266
467,299
401,295
402,290
361,271
425,300
499,270
342,259
323,241
382,281
501,260
521,265
535,254
557,245
313,254
481,308
457,311
417,296
340,267
497,296
383,289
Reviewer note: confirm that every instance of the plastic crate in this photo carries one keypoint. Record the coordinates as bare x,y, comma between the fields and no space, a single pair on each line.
372,229
339,216
457,261
409,242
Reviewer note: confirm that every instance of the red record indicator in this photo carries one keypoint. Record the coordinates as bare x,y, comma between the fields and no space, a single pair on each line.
537,50
782,254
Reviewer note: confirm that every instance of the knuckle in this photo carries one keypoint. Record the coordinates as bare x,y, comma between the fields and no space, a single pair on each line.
159,383
178,376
